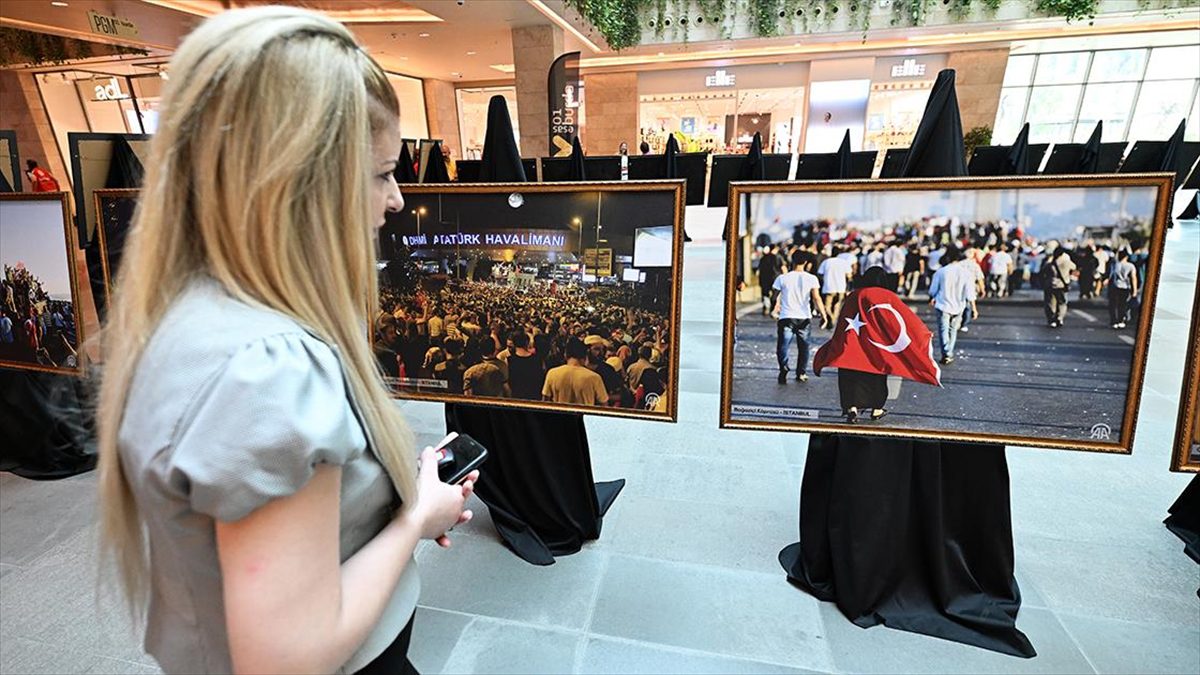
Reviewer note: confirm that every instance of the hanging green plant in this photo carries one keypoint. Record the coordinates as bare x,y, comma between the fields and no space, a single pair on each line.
660,15
1071,10
617,20
764,17
22,47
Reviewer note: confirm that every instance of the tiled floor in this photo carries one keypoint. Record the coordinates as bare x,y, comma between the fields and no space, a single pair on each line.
684,578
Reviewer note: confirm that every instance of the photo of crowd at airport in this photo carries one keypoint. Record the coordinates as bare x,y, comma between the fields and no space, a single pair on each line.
546,296
38,322
1001,313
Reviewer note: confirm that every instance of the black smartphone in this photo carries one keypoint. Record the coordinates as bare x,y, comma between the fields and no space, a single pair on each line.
458,455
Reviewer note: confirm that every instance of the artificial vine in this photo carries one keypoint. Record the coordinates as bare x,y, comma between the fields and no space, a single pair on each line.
617,20
22,47
1071,10
764,17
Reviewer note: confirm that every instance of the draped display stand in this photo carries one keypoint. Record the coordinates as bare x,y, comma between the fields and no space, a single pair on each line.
44,433
913,535
537,483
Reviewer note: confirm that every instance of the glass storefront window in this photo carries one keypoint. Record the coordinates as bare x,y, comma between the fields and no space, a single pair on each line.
1160,107
1051,113
1171,63
1019,71
1118,65
1110,103
1068,68
1011,114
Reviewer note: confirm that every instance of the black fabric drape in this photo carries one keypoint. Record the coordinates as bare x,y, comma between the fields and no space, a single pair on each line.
537,482
577,171
46,426
501,159
1089,159
671,167
844,166
405,173
1018,154
4,184
753,168
1191,211
1184,520
913,535
435,168
1171,151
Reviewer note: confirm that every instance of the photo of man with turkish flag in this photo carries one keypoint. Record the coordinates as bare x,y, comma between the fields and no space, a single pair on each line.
876,335
1006,308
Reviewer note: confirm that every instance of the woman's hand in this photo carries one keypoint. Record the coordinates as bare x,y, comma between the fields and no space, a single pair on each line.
439,506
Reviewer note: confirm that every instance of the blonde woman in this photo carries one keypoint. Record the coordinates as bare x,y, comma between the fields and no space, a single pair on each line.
260,491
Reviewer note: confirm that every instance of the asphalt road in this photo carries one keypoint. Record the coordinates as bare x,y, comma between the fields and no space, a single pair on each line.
1013,375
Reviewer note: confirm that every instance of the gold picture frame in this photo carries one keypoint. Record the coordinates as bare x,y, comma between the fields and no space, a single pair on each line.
62,199
101,198
1123,443
1187,429
675,190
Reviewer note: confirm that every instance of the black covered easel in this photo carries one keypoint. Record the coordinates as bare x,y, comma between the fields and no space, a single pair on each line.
915,535
538,483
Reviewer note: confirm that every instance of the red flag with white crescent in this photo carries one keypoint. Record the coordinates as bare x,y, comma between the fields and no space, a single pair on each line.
878,333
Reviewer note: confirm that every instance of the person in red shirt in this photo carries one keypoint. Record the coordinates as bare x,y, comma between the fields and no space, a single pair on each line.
39,178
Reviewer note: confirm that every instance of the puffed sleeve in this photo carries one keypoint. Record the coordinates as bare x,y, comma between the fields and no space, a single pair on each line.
255,433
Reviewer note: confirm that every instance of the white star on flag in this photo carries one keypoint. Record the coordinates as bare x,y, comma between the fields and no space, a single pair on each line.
854,324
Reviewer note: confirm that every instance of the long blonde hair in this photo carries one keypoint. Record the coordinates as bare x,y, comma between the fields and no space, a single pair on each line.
259,176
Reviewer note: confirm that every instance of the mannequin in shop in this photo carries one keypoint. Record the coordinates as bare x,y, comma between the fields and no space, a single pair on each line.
538,484
913,534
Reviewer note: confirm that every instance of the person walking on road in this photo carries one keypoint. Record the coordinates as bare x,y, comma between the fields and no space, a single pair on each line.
1057,270
797,297
950,292
1122,287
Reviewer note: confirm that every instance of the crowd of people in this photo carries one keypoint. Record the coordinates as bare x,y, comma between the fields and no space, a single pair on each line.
595,346
950,264
34,328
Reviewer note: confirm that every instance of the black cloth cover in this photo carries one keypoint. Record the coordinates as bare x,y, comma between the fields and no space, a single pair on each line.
753,167
537,482
1184,520
1089,159
4,185
1191,212
44,431
671,167
844,157
577,172
404,173
501,160
1018,154
913,535
435,169
1172,149
937,148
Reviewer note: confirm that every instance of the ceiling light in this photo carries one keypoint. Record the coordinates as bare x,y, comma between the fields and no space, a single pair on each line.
472,53
422,35
59,4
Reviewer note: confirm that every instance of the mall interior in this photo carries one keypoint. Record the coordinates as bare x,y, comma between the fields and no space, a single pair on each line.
685,575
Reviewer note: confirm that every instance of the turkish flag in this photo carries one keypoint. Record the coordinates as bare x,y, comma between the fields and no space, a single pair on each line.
878,333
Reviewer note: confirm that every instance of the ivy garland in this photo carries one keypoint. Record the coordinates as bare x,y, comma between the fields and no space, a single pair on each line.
621,21
25,47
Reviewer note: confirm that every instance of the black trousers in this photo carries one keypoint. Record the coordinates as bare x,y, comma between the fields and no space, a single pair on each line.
394,659
1118,304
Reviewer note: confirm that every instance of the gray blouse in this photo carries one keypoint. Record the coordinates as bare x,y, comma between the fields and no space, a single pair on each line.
232,406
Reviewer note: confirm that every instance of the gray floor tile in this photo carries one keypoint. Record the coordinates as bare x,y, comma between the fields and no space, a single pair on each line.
605,655
39,515
483,577
489,646
742,614
731,478
107,666
56,601
738,537
1122,647
435,634
1141,584
5,568
882,650
31,657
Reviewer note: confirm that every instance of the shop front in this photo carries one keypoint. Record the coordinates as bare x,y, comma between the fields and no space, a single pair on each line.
720,109
900,87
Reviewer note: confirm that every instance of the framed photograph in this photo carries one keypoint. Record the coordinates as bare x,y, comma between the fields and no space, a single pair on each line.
1002,310
40,323
556,296
114,217
1186,456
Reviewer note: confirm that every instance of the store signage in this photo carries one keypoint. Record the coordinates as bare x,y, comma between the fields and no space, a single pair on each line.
908,68
525,239
720,78
112,26
598,261
110,92
562,92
